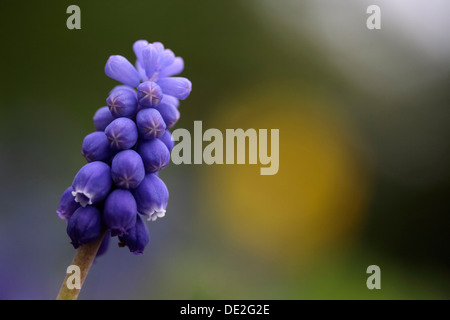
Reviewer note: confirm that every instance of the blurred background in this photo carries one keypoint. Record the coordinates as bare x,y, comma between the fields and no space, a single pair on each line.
364,150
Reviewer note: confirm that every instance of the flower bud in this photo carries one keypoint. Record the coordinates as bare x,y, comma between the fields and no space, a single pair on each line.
120,69
122,102
150,123
177,87
169,113
154,154
119,213
67,205
149,61
149,94
159,47
141,71
136,238
138,46
102,118
175,68
92,183
127,169
151,197
167,139
96,147
166,58
84,226
122,134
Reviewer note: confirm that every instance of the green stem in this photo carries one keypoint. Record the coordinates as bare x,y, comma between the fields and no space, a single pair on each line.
83,258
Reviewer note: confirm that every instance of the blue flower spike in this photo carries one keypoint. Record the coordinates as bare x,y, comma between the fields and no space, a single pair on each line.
120,184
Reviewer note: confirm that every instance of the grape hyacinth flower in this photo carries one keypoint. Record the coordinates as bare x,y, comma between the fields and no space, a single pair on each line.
155,155
122,102
167,139
122,133
84,226
131,144
127,169
92,183
155,65
96,147
149,94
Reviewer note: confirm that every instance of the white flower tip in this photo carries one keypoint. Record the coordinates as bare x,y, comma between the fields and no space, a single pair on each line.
83,198
155,214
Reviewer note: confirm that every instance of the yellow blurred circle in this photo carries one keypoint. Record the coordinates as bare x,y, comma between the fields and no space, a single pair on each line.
315,201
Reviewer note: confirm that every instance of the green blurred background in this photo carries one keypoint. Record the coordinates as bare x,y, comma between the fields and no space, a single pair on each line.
364,149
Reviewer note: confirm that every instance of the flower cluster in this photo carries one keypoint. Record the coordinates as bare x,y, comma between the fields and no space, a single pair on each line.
131,144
